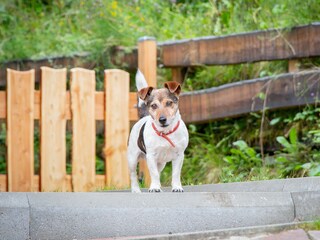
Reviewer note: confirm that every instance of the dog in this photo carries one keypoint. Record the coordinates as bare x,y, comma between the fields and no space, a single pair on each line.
160,136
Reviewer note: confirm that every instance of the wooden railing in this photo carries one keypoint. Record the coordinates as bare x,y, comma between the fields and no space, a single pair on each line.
270,45
295,88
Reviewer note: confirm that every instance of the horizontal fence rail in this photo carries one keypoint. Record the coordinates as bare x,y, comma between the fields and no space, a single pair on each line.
268,45
299,42
282,91
99,105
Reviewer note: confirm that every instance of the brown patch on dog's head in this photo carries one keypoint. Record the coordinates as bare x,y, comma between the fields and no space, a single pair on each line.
173,87
145,92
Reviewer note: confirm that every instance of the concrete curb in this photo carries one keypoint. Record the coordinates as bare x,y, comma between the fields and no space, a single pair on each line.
14,216
116,214
221,233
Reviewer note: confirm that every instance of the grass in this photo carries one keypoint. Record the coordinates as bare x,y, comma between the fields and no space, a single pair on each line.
311,226
38,28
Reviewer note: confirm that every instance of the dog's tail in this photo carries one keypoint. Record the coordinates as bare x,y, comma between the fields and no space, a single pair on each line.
141,83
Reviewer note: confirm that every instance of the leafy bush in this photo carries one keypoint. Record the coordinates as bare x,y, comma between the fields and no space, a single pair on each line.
296,158
243,159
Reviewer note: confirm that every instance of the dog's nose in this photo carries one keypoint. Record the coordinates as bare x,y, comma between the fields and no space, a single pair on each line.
162,120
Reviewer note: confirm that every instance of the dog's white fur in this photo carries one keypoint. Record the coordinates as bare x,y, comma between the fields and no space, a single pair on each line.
158,150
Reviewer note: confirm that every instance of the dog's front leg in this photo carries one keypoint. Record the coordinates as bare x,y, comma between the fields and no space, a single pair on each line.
154,174
176,173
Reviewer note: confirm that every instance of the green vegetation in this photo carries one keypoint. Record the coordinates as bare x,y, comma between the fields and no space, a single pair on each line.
311,226
221,151
39,28
229,150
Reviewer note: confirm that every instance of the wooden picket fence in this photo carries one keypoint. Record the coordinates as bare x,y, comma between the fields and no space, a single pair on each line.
53,105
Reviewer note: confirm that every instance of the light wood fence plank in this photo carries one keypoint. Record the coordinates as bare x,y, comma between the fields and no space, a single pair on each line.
3,104
3,183
147,63
20,125
83,128
117,127
53,129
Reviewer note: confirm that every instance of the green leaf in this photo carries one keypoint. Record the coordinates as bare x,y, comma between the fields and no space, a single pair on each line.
275,121
298,167
284,142
307,166
228,159
192,128
240,144
251,152
256,115
293,136
299,116
281,159
315,171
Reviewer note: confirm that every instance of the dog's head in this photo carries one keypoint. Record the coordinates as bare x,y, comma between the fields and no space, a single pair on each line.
162,104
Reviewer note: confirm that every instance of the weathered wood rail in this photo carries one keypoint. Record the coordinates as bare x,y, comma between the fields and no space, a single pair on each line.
268,45
231,100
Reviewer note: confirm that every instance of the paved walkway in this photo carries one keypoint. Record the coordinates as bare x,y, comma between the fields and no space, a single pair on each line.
297,234
291,231
205,209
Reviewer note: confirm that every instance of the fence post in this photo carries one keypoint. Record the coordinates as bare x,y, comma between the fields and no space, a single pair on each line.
53,129
83,129
293,66
116,127
177,74
20,125
147,63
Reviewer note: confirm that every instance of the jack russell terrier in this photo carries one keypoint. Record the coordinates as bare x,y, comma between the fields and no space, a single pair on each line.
160,136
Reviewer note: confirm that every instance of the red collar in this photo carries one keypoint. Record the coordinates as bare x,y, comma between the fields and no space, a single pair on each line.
165,135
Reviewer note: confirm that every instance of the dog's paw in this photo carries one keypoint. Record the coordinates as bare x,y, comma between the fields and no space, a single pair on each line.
135,190
177,189
154,190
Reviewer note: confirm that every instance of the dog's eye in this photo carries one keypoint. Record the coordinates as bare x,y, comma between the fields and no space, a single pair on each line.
169,103
154,106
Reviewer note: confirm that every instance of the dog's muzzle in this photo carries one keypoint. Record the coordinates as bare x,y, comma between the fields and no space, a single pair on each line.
163,121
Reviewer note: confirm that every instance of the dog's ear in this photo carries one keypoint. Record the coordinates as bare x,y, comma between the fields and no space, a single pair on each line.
145,92
173,87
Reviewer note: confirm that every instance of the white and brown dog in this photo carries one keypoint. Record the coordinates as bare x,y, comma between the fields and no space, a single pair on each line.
160,136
